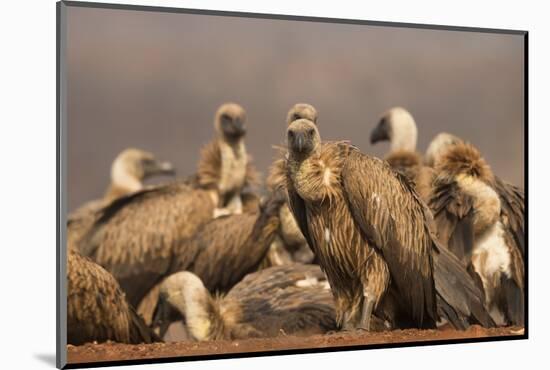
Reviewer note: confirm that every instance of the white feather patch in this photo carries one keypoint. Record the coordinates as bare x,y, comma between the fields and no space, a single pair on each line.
307,282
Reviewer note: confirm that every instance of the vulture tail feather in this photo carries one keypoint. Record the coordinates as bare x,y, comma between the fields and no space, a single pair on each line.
458,292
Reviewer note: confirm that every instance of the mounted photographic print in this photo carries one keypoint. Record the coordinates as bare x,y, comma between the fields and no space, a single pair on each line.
234,184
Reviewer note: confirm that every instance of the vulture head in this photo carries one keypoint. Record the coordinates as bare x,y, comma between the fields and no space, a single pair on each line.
230,122
398,127
303,137
184,295
301,111
440,143
132,166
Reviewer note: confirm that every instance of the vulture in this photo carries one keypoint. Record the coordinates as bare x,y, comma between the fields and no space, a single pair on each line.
374,238
227,248
512,198
480,218
97,310
144,236
398,127
225,166
128,171
282,300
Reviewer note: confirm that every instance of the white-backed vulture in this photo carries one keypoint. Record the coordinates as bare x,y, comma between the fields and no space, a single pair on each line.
512,198
96,306
283,300
227,249
128,171
373,237
224,164
480,218
398,127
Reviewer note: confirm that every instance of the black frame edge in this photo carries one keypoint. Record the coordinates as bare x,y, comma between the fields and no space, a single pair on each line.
150,8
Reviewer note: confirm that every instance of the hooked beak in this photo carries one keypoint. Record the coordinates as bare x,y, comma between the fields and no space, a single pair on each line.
300,142
162,168
238,128
160,317
380,133
234,129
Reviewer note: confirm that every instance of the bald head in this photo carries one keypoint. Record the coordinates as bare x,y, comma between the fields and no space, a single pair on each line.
132,166
438,146
230,121
398,127
301,111
303,137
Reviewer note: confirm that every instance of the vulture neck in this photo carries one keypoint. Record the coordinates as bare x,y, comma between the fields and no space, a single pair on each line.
122,182
236,146
193,303
317,177
404,136
233,166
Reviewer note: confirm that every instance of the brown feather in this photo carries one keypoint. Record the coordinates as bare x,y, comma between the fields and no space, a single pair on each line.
232,246
464,158
285,300
139,238
96,307
512,200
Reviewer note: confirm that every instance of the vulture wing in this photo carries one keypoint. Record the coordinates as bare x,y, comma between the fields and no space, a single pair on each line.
136,236
298,208
512,201
222,262
390,214
453,213
232,246
292,299
96,307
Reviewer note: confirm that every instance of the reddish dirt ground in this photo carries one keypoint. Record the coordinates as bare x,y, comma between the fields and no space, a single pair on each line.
116,351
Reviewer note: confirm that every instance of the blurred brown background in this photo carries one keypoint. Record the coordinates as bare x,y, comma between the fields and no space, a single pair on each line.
154,80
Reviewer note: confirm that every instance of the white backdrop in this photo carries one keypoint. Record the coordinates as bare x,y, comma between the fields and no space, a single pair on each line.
27,206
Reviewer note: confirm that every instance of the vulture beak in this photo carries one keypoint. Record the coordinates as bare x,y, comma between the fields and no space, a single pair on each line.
161,317
238,125
159,168
233,128
300,141
380,133
166,168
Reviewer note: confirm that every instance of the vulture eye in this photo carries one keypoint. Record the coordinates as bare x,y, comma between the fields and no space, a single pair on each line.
291,134
310,132
225,118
